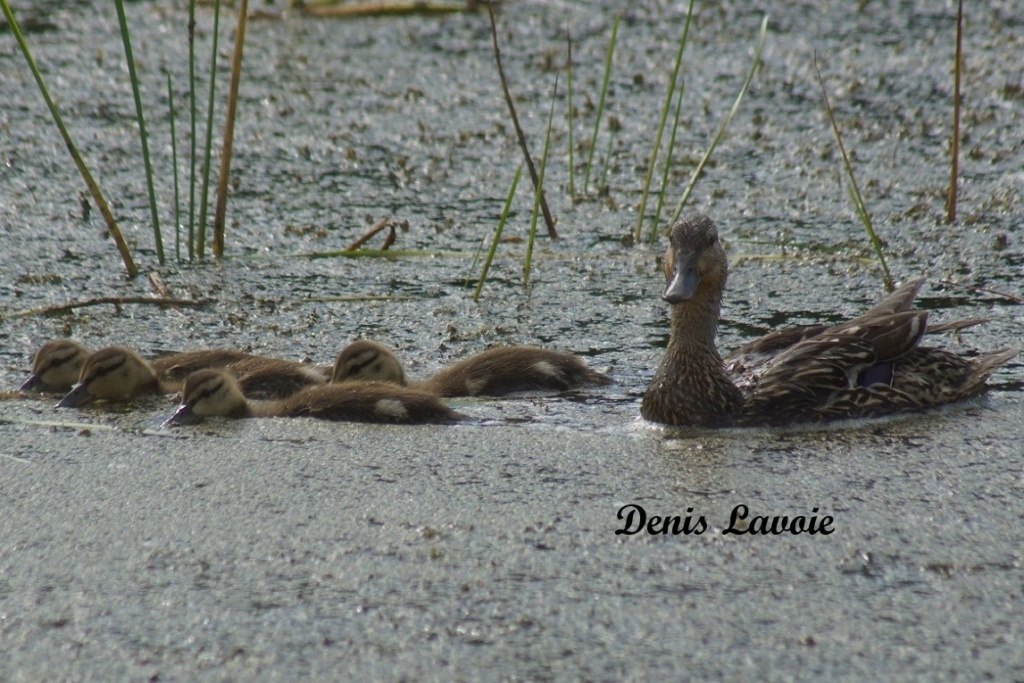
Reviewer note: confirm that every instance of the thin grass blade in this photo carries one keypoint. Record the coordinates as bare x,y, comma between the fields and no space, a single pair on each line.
570,114
854,189
94,188
721,130
600,102
174,166
528,257
497,234
661,126
192,117
668,159
144,138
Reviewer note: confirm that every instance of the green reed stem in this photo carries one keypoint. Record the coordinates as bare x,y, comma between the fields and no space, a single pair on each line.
205,193
192,115
600,102
94,188
668,160
725,124
528,258
613,127
476,259
854,190
954,145
146,159
661,126
570,115
497,233
174,167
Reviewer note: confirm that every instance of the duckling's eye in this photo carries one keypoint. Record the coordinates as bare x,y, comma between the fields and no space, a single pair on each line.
211,391
102,371
358,367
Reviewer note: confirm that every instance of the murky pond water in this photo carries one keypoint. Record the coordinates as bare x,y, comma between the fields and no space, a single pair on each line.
290,548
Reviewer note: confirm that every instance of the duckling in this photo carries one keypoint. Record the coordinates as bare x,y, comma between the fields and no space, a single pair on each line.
177,366
56,365
209,393
117,373
370,361
870,366
265,378
494,372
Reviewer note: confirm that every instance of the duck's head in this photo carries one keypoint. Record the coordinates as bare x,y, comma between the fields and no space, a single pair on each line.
56,366
368,361
695,262
208,393
114,373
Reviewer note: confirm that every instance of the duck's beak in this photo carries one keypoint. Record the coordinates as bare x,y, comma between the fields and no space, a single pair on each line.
78,396
684,278
182,416
34,383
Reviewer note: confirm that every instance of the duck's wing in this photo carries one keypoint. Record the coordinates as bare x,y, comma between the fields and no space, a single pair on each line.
900,300
836,375
750,358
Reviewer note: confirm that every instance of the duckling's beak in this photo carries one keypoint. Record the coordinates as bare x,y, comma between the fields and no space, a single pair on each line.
685,278
182,416
34,383
78,396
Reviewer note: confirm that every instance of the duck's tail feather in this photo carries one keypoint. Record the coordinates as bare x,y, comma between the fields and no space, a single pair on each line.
984,364
956,325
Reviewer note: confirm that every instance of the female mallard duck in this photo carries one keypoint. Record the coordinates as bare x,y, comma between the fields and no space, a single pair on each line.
870,366
117,373
215,393
56,365
494,372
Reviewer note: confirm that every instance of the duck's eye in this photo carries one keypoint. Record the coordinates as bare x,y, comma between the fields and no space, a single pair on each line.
357,367
102,372
211,391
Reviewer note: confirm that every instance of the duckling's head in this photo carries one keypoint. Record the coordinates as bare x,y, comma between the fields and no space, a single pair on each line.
695,264
208,393
114,373
368,361
56,366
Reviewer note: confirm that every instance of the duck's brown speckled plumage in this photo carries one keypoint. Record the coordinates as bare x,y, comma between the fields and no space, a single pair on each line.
494,372
691,385
870,366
